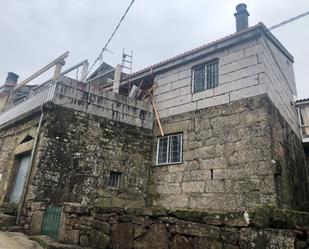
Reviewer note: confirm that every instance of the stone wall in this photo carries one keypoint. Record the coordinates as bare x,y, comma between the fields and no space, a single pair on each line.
77,151
250,67
230,158
280,81
178,229
94,100
291,169
11,147
241,75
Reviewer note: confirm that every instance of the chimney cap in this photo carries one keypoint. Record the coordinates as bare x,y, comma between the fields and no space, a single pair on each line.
241,8
11,79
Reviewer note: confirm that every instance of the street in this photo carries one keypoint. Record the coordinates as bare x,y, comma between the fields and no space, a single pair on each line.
9,240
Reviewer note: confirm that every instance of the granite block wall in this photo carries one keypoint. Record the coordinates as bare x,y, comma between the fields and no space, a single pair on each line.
91,99
76,153
11,148
92,227
229,159
251,67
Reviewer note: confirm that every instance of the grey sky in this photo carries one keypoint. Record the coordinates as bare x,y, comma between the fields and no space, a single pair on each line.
34,32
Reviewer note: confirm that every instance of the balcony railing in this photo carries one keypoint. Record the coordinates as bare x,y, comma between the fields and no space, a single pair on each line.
28,104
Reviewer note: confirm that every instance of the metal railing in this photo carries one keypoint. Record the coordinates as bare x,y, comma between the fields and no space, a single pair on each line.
29,103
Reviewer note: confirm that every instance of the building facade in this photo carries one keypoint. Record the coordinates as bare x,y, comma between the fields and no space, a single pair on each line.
226,135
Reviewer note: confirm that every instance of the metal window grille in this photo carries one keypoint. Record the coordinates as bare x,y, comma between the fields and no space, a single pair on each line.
205,76
114,179
212,75
199,78
169,149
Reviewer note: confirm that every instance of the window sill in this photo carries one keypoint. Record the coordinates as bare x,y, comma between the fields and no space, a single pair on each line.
167,164
203,94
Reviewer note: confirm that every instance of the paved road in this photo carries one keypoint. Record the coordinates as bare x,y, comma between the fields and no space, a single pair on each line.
16,241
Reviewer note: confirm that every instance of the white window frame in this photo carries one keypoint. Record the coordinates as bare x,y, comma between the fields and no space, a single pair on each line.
168,149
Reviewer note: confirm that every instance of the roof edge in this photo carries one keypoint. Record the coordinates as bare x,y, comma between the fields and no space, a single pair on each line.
251,32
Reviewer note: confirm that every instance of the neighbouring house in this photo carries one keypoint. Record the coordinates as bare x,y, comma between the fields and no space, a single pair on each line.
303,117
230,137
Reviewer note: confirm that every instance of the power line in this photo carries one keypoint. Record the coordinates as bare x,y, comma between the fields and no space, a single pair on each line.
289,20
110,38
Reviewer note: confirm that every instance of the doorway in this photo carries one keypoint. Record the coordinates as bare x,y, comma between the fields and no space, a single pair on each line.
20,179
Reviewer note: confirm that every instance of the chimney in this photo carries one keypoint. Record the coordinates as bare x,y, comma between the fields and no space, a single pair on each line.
241,17
11,79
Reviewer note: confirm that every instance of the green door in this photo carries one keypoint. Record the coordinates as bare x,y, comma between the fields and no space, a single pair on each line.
51,221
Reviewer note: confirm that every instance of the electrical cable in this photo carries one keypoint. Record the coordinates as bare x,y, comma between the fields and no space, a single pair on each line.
110,38
289,20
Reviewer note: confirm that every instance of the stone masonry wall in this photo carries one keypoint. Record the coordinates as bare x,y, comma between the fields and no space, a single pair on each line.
241,75
76,153
11,147
291,170
252,67
118,228
228,159
93,100
280,81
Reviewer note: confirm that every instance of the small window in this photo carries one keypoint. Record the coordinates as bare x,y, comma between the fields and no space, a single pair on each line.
169,149
205,76
26,139
114,179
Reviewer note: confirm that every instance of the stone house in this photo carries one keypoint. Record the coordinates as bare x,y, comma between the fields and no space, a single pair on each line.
230,106
231,134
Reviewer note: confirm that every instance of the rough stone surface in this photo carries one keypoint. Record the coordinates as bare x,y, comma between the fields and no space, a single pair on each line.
181,242
155,238
36,223
228,160
181,229
122,236
7,220
250,238
76,154
99,240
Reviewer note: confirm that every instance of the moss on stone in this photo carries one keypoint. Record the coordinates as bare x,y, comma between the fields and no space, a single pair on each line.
189,215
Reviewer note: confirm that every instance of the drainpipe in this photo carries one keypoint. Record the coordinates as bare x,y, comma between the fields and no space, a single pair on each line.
23,197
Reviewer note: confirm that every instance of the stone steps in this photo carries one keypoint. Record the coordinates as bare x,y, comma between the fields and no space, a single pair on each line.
7,221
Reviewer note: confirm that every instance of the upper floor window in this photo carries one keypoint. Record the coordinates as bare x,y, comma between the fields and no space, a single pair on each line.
169,149
205,76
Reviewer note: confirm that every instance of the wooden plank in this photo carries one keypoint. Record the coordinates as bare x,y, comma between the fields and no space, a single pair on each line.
157,116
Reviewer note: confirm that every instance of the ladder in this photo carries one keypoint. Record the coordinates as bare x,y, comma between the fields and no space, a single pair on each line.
126,66
127,62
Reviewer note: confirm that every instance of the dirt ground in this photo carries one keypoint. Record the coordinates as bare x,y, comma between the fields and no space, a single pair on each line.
10,240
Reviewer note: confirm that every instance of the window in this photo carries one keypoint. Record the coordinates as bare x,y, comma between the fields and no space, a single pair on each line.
114,179
26,139
205,76
169,149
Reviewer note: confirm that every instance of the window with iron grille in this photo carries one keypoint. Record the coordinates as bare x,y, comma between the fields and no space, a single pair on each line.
205,76
114,179
169,149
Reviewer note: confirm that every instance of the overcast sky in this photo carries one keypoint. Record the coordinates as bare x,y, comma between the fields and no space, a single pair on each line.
34,32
